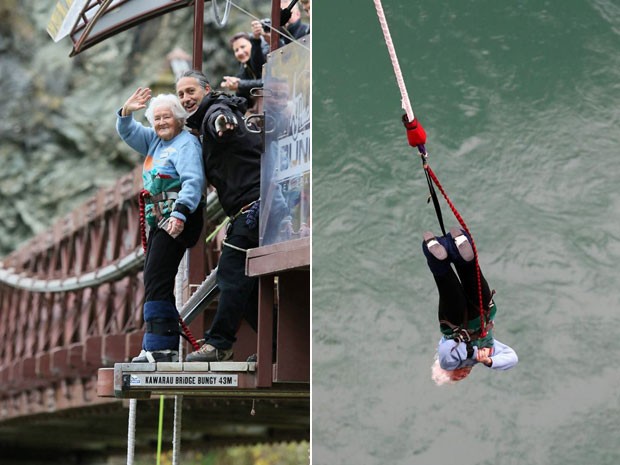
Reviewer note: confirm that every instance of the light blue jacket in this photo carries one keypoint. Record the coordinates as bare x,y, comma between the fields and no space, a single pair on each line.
453,355
177,159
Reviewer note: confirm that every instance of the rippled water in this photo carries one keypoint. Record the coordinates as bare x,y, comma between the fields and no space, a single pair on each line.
521,102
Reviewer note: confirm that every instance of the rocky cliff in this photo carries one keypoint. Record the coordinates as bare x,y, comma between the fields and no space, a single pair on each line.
58,144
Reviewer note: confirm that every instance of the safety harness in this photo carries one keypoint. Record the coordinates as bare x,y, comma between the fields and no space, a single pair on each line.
471,331
162,326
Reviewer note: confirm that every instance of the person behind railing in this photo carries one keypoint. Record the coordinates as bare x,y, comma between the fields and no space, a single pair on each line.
173,177
232,159
294,28
248,52
463,344
276,211
305,5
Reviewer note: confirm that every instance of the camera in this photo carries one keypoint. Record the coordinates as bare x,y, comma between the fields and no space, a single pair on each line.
266,24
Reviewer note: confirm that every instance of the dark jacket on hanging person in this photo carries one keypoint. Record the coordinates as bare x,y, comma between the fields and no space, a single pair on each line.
232,162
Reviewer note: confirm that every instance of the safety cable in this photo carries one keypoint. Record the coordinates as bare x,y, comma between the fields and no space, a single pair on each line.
292,39
435,199
131,431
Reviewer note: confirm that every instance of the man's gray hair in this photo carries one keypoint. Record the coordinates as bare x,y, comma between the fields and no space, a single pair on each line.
170,101
198,75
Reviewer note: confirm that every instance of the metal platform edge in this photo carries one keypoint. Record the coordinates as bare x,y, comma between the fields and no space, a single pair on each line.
215,379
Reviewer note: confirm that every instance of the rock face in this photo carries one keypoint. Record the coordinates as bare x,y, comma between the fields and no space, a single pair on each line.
57,131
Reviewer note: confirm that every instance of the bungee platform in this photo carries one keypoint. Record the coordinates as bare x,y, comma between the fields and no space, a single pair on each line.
218,379
284,372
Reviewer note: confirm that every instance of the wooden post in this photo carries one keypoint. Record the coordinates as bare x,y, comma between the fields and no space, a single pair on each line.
275,24
199,7
264,373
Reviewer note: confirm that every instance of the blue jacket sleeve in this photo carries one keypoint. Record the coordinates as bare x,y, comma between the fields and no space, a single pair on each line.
452,355
134,134
503,357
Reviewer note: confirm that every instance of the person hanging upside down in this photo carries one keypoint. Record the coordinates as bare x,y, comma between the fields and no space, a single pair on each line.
463,344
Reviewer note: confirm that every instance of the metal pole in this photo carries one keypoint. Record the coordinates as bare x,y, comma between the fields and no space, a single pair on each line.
197,255
199,7
275,24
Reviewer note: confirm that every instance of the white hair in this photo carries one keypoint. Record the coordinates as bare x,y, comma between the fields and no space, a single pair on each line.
439,375
170,101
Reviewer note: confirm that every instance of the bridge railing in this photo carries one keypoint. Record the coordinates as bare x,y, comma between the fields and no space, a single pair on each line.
71,300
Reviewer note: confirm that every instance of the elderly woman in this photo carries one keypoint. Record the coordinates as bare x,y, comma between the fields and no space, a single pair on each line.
173,177
463,344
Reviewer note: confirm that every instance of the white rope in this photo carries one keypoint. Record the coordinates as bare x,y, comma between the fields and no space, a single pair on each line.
131,431
234,247
399,75
176,430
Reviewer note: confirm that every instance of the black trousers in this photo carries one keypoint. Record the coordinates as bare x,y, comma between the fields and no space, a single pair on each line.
458,293
238,292
163,255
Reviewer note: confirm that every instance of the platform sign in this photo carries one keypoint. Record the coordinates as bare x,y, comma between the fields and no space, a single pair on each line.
286,166
150,380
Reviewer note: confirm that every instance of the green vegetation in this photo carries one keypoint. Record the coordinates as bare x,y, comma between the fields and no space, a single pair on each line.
293,453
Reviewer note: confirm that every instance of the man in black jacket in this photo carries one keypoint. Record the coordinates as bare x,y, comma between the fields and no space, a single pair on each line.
232,157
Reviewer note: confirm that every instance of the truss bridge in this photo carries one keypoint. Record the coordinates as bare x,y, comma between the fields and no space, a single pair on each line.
71,320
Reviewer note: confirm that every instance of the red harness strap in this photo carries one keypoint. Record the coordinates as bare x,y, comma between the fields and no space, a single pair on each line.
141,202
189,336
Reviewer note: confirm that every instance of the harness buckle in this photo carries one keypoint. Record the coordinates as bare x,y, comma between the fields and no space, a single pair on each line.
462,335
243,210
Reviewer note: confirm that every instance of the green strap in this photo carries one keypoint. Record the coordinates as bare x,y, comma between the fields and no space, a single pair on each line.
214,233
161,424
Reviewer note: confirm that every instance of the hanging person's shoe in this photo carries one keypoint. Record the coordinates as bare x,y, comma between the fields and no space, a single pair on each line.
434,246
463,244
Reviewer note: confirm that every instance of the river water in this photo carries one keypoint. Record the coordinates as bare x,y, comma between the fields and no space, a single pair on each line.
521,103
